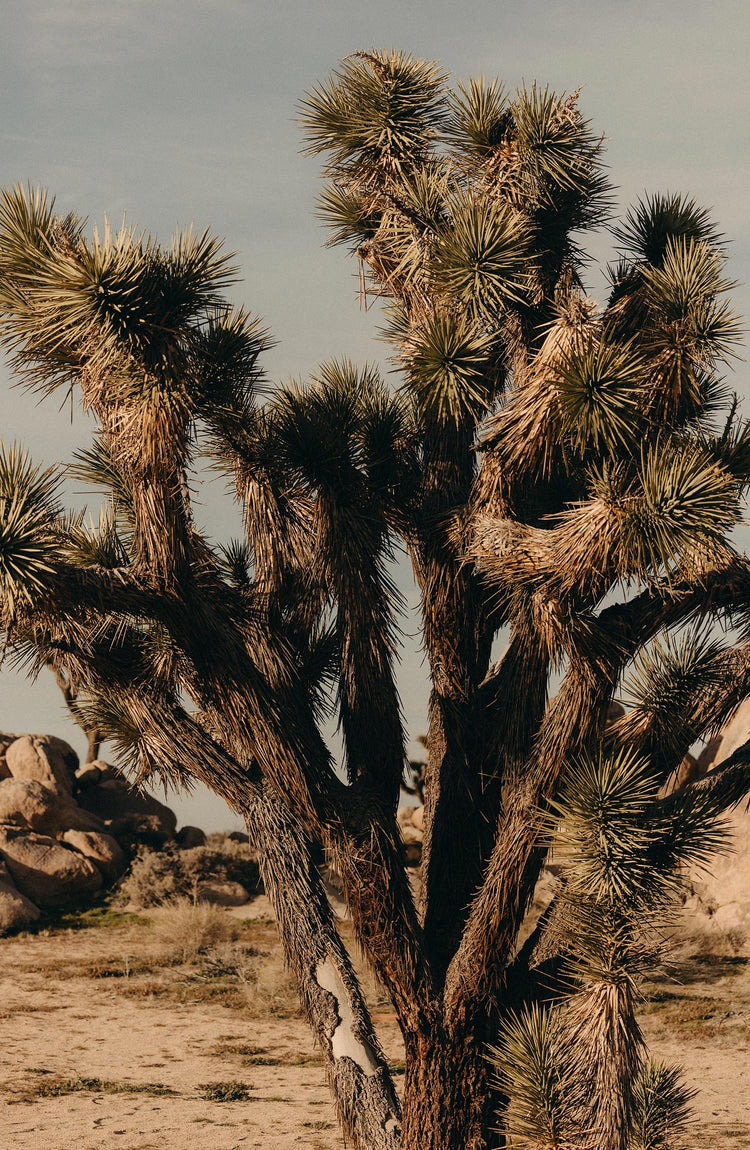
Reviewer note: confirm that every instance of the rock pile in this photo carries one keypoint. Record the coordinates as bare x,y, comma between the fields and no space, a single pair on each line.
65,831
719,910
410,825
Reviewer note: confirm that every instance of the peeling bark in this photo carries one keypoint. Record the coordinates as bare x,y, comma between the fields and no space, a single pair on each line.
356,1068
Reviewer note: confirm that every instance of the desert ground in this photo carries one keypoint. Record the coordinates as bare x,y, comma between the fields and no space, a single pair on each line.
154,1032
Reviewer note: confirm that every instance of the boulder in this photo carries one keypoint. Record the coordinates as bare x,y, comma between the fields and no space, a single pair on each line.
5,741
44,870
615,711
708,754
129,814
16,911
189,837
417,819
87,776
102,849
43,757
222,893
238,837
720,909
688,771
28,803
735,733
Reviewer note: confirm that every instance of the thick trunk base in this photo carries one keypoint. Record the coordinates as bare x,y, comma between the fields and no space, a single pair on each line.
448,1101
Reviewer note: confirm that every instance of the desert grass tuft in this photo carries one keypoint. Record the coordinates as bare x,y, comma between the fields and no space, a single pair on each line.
225,1091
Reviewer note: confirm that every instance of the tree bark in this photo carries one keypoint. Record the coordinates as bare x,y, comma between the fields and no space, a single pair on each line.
355,1065
449,1103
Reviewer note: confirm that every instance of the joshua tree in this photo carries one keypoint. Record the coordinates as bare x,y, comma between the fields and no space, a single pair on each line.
562,475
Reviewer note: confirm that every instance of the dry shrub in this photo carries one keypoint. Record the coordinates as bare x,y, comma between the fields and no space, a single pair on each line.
158,877
191,929
269,987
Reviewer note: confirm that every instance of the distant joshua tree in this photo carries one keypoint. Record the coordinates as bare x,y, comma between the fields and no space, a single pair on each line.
562,474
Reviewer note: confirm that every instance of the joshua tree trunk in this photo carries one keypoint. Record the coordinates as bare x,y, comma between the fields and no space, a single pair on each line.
448,1101
355,1065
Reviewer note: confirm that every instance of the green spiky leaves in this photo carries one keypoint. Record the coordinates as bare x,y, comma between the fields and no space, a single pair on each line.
481,261
658,221
661,1109
449,371
27,511
687,500
558,154
479,116
599,386
534,1072
348,217
119,309
671,680
623,859
683,293
379,108
600,837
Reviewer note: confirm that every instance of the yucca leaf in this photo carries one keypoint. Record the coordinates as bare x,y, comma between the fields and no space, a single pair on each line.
223,365
533,1070
601,837
481,261
667,678
599,386
348,216
558,175
28,508
449,372
378,109
686,498
478,117
660,219
662,1117
236,559
90,545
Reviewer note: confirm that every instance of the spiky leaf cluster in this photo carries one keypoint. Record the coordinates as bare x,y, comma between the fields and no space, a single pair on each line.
533,1067
27,510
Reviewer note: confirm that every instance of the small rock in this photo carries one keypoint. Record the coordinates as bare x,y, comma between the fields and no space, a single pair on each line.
238,837
44,870
189,837
417,819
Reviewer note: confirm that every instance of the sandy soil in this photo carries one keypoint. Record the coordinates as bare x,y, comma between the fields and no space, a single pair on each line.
90,1011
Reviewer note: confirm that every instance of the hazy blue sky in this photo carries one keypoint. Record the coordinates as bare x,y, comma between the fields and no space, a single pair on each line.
175,111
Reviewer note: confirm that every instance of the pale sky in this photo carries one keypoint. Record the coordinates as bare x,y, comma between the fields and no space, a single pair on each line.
180,111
